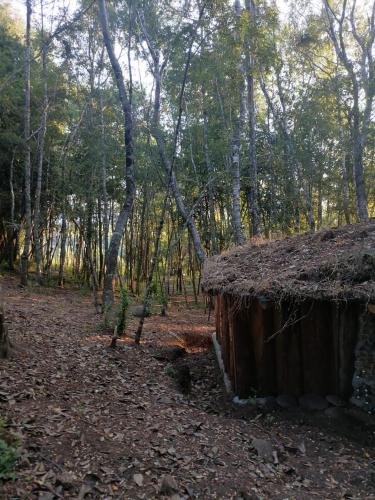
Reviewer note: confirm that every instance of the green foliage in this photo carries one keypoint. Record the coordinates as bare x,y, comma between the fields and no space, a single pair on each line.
8,457
9,453
123,311
169,371
153,288
291,53
163,298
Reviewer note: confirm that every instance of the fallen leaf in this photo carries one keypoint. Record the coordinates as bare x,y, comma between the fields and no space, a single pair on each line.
138,479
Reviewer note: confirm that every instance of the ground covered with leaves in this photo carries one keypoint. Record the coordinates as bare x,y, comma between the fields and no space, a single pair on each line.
93,422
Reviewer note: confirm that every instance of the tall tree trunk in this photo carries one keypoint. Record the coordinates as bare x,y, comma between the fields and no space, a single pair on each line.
320,205
359,180
171,179
253,168
64,237
141,240
344,169
114,245
210,187
41,139
192,272
100,242
104,177
24,267
11,229
158,71
168,167
235,164
48,252
363,84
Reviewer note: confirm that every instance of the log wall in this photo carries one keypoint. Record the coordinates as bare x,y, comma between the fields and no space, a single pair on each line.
314,351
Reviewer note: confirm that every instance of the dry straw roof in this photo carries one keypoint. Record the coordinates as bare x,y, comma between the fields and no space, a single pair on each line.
336,264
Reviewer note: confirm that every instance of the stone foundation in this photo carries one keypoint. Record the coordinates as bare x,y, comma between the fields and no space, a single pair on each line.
364,373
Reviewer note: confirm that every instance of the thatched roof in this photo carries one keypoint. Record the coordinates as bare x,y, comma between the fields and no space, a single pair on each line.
336,264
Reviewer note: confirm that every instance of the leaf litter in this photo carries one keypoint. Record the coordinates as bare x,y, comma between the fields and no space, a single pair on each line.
98,423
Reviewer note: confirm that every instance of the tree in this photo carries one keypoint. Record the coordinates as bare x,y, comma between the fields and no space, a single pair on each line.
27,186
361,73
114,245
233,121
158,68
250,79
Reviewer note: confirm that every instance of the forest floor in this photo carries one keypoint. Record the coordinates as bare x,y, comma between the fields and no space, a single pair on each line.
95,422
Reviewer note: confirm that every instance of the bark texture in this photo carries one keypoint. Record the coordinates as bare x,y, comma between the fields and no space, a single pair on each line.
114,245
24,264
253,168
210,186
362,84
41,140
235,165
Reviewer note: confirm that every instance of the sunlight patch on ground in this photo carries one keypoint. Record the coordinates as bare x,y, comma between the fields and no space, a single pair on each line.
180,327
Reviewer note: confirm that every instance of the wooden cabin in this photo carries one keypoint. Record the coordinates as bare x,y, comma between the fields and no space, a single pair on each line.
297,315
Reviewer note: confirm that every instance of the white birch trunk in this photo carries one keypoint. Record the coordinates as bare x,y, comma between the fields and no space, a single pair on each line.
24,264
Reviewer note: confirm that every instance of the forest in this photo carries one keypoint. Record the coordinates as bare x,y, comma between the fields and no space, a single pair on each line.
156,134
140,139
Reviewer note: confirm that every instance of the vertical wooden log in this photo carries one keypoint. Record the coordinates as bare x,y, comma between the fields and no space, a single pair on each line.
225,333
282,345
262,328
231,341
245,380
287,351
317,347
336,329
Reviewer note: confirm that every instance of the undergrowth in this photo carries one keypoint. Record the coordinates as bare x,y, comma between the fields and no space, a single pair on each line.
123,311
9,454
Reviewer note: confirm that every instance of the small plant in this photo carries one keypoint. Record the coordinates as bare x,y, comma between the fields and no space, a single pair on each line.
253,393
8,457
153,288
123,311
163,301
252,400
169,371
270,419
9,453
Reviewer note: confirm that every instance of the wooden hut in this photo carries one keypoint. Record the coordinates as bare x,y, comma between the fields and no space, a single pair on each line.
297,315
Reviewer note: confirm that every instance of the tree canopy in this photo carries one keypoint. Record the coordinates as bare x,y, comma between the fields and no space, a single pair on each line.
230,121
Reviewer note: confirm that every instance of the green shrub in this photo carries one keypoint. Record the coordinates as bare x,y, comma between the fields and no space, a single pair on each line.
169,371
8,457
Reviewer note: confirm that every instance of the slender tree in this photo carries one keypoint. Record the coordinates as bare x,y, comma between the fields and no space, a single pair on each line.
27,169
253,167
158,69
114,245
41,141
340,25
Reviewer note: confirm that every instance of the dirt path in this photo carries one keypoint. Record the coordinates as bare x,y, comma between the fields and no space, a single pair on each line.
99,423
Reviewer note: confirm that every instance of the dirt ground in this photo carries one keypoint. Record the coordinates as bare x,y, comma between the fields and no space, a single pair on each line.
94,422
